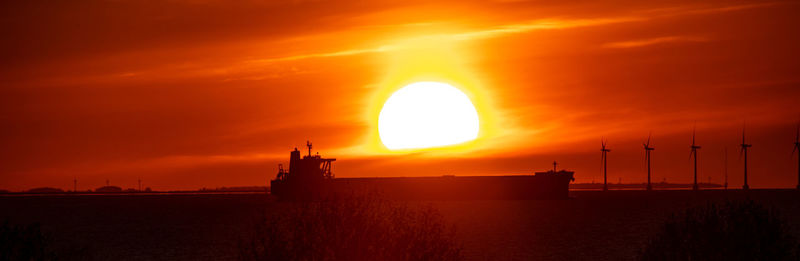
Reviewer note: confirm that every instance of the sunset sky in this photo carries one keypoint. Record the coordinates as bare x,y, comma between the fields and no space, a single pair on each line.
206,93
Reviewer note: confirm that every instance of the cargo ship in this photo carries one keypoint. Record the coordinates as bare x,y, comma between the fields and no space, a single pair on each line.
310,178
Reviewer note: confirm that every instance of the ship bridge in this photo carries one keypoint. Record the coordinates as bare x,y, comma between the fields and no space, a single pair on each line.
309,168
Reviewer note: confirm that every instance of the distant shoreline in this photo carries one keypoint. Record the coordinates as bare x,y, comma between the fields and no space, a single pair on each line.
151,193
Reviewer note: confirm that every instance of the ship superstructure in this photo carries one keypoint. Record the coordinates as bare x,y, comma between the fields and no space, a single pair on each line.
305,177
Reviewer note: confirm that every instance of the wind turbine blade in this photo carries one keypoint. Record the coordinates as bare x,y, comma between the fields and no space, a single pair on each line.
797,137
743,128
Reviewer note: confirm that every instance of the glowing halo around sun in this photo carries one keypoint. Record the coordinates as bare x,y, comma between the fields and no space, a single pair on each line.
426,115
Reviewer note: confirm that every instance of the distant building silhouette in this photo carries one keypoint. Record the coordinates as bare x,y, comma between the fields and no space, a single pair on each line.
108,189
45,190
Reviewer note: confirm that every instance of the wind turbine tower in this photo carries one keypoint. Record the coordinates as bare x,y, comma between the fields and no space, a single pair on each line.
647,150
604,157
744,146
797,148
694,148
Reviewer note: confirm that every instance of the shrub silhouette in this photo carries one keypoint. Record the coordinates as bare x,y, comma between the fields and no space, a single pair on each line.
28,242
351,228
24,243
728,231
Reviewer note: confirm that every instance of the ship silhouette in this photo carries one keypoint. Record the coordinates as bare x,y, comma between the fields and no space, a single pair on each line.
310,178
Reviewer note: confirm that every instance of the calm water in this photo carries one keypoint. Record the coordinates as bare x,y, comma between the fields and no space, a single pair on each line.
591,225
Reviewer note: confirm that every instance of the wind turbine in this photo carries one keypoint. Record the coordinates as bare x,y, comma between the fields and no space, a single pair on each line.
604,158
694,148
647,150
796,148
744,146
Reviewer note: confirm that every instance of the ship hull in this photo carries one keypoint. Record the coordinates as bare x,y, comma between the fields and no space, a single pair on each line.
431,188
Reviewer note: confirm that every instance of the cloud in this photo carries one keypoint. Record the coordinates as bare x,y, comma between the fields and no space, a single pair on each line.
654,41
492,32
262,66
323,55
542,24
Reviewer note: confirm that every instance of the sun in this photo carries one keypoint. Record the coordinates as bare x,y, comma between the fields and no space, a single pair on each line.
426,115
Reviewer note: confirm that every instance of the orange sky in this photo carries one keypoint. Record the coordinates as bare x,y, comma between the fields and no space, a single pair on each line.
190,94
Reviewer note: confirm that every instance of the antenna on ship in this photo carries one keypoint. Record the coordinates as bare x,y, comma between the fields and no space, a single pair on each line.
554,166
647,150
604,158
796,148
694,148
744,146
308,144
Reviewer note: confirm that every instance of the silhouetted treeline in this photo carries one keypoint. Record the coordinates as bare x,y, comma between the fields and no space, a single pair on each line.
236,189
659,185
351,228
45,190
28,242
729,231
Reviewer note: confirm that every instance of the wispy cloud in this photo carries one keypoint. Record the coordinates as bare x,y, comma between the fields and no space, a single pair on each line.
654,41
245,69
492,32
543,24
328,54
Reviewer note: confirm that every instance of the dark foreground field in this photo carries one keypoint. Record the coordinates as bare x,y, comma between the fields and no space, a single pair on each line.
591,225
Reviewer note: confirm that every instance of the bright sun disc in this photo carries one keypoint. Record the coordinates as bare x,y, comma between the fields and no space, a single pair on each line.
425,115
